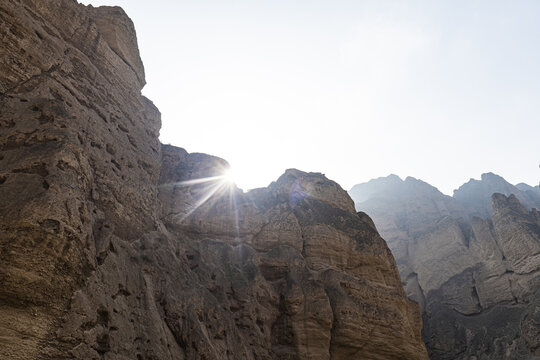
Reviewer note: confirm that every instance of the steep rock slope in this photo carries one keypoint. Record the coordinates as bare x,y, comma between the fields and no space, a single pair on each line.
113,248
476,279
315,276
79,158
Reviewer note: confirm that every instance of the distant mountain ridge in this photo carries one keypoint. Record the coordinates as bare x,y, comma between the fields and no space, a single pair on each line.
475,195
471,260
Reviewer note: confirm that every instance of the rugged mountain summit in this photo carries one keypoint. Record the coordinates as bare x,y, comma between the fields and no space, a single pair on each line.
476,278
115,247
528,189
475,195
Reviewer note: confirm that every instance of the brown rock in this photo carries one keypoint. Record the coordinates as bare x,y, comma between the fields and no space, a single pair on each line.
66,96
325,263
111,250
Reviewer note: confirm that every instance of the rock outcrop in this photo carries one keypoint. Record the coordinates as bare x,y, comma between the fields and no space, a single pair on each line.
473,267
115,247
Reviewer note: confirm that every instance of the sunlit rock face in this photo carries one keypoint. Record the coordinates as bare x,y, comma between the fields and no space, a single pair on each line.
113,246
472,261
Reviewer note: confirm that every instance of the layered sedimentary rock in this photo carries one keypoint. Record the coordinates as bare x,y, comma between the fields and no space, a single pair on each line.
313,274
476,278
112,247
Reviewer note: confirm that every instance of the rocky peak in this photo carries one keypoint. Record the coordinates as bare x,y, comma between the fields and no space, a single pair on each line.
379,186
415,204
527,187
416,187
298,185
475,195
504,203
391,187
179,165
118,31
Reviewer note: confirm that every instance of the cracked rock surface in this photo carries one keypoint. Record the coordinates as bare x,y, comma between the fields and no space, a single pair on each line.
113,248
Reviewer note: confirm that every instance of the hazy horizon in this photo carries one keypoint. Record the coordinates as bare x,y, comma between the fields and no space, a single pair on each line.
440,91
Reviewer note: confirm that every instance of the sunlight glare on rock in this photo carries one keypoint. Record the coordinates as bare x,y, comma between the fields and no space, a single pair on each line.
231,176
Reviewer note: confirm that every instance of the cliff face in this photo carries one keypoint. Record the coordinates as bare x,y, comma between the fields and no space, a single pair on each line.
112,247
476,279
79,160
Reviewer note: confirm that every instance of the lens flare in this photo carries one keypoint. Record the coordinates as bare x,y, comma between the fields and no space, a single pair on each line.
205,191
230,176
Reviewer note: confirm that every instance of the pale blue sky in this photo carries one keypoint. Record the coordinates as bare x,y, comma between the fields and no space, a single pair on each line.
438,90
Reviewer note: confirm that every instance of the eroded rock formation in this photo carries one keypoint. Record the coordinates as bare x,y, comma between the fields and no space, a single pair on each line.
112,247
472,261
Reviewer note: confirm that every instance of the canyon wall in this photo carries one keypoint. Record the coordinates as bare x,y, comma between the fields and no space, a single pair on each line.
472,261
115,247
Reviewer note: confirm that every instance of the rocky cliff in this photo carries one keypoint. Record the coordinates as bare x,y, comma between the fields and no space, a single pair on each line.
472,261
115,247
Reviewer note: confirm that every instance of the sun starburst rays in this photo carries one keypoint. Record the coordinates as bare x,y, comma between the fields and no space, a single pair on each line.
205,193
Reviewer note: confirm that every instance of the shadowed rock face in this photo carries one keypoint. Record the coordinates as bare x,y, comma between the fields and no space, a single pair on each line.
79,159
308,269
476,279
111,247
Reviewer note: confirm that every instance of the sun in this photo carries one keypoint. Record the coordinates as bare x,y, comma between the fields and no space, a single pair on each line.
230,176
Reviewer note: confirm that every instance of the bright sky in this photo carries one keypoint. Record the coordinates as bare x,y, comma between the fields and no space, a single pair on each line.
438,90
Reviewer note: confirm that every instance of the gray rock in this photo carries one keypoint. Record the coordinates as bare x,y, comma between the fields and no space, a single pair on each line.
471,261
